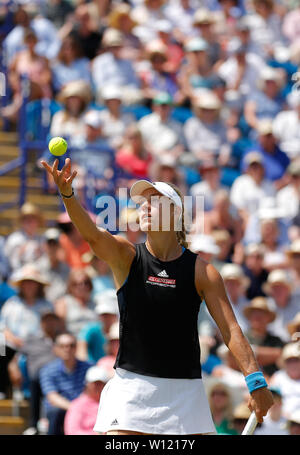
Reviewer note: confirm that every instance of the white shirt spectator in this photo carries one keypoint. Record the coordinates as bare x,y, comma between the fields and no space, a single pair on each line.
288,201
290,390
201,136
229,72
21,249
114,129
161,136
284,316
272,427
108,70
286,128
48,40
246,194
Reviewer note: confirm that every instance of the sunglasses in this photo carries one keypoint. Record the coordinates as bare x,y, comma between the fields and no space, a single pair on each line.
81,283
67,345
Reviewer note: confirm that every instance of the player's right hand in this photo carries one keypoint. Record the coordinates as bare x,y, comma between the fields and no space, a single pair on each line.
64,177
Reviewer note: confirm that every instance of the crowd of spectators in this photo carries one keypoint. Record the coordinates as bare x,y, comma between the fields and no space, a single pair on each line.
203,94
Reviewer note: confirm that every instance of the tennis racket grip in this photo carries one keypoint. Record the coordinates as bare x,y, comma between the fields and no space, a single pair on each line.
250,425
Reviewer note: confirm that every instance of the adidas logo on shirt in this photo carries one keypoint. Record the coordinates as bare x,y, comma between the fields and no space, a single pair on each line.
163,274
115,422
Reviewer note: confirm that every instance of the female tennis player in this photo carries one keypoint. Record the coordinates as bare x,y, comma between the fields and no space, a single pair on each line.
157,386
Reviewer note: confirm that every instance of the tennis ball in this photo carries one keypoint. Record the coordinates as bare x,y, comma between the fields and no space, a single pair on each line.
58,146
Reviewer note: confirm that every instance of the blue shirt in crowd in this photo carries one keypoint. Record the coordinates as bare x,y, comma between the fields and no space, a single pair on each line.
54,377
275,164
92,334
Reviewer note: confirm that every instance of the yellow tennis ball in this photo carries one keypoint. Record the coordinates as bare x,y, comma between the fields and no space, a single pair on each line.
58,146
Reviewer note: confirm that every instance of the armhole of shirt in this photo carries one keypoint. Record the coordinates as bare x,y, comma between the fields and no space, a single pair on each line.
137,253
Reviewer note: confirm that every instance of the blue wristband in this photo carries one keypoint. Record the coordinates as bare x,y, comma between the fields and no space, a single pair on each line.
255,381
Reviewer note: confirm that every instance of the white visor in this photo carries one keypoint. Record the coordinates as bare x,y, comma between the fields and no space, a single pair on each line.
139,187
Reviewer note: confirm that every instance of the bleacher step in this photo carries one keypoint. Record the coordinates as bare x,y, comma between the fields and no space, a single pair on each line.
10,425
9,137
7,408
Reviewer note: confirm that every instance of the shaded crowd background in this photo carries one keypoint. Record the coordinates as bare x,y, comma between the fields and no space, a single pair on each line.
199,93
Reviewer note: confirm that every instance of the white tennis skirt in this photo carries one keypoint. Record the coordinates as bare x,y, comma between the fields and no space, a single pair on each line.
134,402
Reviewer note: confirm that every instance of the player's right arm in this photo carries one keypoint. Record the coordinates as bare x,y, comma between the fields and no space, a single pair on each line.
115,250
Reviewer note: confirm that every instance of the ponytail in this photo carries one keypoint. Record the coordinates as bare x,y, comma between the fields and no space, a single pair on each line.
180,235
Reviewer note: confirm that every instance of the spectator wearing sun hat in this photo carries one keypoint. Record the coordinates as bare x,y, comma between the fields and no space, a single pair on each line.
279,289
287,379
81,415
20,314
25,244
205,133
241,414
265,101
75,97
110,67
114,120
267,347
249,188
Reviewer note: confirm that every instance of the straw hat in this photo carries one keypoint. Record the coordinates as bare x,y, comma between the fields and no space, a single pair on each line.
294,248
294,325
207,100
156,47
259,303
275,277
290,351
241,412
28,272
121,10
254,248
235,272
78,88
270,74
112,37
29,209
203,16
265,126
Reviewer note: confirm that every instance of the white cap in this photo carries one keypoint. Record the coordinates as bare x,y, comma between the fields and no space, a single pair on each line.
111,92
204,243
96,373
140,186
290,351
107,302
92,118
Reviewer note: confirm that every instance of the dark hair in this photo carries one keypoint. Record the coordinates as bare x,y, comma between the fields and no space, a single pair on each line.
75,44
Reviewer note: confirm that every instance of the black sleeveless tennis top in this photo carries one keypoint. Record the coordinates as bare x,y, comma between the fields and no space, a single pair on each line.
159,307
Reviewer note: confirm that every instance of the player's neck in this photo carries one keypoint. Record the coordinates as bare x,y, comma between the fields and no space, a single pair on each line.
163,245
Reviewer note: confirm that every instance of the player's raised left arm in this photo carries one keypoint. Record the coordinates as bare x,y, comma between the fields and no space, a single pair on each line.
210,286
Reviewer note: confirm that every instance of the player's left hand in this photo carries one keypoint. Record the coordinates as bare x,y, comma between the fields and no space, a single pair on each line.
260,401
